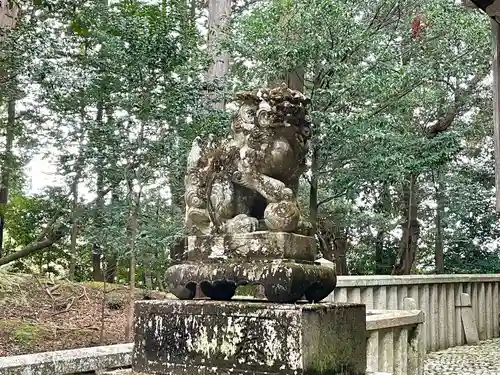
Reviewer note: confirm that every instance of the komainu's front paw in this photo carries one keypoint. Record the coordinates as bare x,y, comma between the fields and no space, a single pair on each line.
242,224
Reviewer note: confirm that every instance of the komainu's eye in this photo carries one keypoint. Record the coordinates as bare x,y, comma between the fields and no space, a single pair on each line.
247,113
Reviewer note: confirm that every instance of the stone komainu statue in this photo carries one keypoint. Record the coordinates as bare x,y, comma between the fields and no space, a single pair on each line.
249,181
241,208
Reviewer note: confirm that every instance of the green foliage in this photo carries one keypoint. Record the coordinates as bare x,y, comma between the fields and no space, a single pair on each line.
377,93
113,93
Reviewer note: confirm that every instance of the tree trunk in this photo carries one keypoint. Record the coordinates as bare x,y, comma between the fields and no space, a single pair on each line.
9,13
103,310
132,235
96,263
383,206
438,245
74,229
111,257
97,252
131,296
379,252
111,269
219,12
135,209
148,277
74,186
295,79
313,192
7,164
333,243
339,251
410,228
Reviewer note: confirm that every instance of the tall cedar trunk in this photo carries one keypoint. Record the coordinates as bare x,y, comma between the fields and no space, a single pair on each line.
313,192
383,206
410,228
74,229
133,221
7,164
75,209
148,276
9,13
148,258
379,252
74,186
438,245
333,242
97,248
132,230
103,310
96,263
111,268
219,12
339,251
111,258
409,237
132,234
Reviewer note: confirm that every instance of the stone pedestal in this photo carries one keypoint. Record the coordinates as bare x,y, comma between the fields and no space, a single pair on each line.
249,338
282,263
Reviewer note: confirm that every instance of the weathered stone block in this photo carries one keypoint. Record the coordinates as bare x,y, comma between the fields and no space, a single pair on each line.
249,338
250,246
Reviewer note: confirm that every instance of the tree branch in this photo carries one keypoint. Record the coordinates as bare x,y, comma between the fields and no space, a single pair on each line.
329,199
36,246
445,121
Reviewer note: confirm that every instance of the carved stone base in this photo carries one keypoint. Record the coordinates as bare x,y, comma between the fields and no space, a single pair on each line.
283,281
247,338
251,246
283,263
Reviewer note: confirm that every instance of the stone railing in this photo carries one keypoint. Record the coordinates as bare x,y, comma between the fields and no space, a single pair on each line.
438,296
395,342
65,362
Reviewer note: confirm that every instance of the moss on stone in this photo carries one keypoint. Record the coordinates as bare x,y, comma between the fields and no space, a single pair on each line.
24,334
27,333
247,290
115,301
100,285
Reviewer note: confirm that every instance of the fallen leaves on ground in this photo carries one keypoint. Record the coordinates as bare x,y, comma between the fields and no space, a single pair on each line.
37,316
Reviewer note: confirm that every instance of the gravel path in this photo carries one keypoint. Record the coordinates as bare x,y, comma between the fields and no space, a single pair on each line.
483,359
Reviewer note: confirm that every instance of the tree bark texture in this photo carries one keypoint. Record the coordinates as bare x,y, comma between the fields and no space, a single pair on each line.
333,242
313,192
7,164
383,207
132,237
97,252
438,244
495,32
410,228
219,12
9,13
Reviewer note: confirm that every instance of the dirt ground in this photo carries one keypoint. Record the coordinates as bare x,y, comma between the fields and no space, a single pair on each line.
37,315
